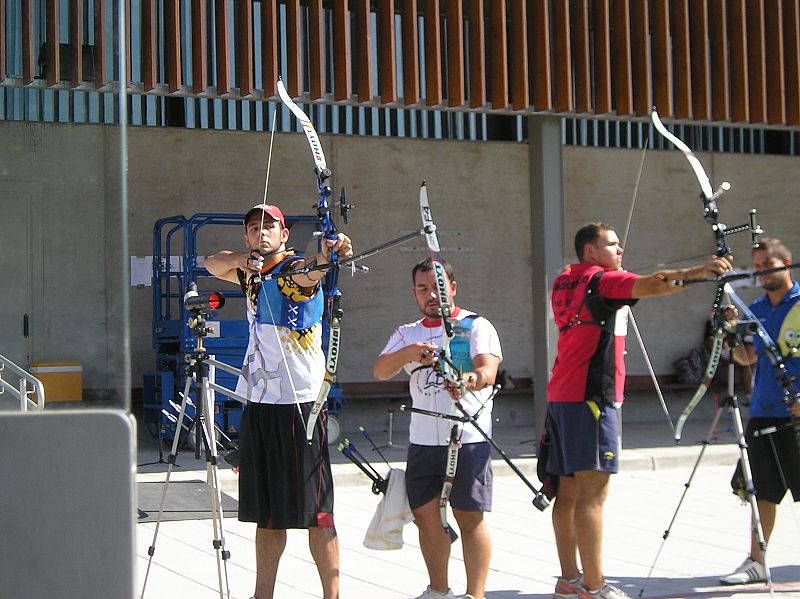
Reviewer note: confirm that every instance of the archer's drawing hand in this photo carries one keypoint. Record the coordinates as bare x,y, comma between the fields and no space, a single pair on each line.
254,262
795,409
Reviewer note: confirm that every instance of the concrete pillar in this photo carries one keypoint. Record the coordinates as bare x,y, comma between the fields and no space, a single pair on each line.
547,246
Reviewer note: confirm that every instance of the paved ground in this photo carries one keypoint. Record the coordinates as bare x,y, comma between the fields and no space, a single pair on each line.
709,537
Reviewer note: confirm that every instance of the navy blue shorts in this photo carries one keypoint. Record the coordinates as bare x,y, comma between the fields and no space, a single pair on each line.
472,488
582,439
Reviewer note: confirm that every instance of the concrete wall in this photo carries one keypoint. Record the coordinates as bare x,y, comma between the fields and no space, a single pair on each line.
479,197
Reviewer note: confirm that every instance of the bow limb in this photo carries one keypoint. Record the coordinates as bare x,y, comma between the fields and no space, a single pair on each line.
710,210
445,363
708,376
711,215
697,167
329,232
308,128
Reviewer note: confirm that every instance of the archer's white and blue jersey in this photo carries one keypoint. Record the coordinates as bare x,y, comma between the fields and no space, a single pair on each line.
283,364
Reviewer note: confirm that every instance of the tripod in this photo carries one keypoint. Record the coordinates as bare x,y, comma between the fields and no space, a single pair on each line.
197,371
731,403
390,443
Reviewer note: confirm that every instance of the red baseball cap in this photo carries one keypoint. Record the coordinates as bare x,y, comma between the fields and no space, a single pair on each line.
272,211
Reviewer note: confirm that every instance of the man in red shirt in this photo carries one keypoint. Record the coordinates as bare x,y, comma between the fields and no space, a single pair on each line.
590,304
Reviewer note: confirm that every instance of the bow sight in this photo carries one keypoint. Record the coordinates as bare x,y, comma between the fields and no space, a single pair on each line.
201,303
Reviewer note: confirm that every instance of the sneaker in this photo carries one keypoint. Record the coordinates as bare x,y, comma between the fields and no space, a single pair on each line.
566,589
749,571
429,593
608,591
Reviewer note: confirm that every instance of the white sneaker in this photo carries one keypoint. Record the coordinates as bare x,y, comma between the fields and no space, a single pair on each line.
749,571
607,591
429,593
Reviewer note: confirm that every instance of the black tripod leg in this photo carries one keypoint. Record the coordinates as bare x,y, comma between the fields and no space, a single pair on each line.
706,442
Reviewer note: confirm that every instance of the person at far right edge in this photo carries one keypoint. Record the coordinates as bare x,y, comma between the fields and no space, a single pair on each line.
774,456
589,302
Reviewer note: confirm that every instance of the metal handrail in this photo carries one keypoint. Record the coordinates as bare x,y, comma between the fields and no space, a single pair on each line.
27,385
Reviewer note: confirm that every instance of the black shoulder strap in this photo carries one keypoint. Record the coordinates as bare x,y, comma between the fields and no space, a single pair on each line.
591,300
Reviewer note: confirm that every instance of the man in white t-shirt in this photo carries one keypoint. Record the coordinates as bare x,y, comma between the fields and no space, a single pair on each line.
285,482
414,347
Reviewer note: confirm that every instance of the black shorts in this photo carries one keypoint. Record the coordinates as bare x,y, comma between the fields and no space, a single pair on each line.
774,459
283,481
472,487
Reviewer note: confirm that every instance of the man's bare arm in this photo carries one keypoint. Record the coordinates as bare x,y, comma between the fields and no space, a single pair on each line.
660,283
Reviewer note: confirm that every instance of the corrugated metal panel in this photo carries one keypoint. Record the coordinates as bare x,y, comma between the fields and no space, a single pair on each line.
498,51
292,75
172,41
52,42
477,55
269,46
433,53
640,58
719,60
455,53
662,75
581,56
363,48
3,40
681,59
222,53
562,48
76,11
244,47
602,57
698,36
150,46
737,36
27,41
316,56
623,78
341,50
199,47
773,22
716,60
387,62
791,78
756,66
